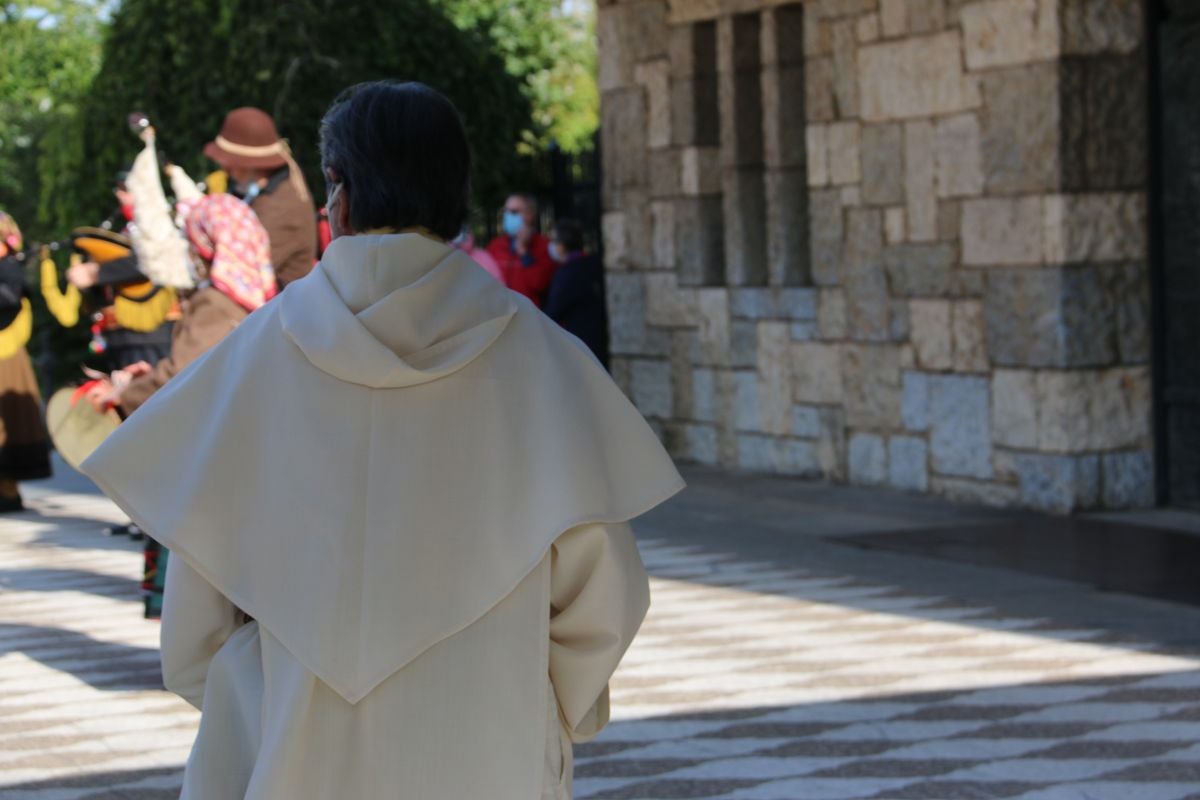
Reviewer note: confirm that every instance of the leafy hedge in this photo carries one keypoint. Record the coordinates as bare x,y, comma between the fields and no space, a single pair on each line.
188,62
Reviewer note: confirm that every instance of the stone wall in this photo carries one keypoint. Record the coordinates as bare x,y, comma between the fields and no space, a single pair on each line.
890,242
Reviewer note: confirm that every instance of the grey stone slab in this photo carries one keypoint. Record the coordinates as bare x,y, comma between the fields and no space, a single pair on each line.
914,401
883,164
867,459
806,422
1128,479
1058,483
626,312
908,463
868,300
1104,140
872,388
700,241
920,270
960,423
826,233
1020,129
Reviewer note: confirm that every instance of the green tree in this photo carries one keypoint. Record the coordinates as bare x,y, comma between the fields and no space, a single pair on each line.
49,53
188,62
550,46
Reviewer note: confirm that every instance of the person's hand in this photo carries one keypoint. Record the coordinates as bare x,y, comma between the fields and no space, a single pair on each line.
84,275
139,369
147,134
103,395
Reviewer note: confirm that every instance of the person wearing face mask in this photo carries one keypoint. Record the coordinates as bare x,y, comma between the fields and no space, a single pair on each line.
263,173
522,252
576,296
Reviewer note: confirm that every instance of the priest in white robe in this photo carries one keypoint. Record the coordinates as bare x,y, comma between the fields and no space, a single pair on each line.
399,500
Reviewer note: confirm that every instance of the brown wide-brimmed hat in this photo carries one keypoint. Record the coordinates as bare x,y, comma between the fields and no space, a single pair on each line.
248,139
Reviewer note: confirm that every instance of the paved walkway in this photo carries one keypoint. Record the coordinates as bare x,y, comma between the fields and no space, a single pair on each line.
777,663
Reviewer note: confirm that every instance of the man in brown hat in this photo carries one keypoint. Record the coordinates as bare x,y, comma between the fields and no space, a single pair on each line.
263,173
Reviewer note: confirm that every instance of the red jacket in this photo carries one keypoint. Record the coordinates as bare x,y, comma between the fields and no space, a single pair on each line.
529,274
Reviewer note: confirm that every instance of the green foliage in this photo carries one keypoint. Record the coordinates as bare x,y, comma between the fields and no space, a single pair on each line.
188,62
50,50
552,51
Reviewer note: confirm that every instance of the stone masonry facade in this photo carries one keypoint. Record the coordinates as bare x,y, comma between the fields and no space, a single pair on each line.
885,242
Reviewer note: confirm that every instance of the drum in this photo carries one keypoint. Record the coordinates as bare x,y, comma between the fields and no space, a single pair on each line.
76,428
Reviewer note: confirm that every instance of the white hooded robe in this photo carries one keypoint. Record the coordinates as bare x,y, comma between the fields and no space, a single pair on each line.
417,487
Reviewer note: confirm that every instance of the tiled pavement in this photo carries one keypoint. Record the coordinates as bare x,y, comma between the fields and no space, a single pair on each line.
751,679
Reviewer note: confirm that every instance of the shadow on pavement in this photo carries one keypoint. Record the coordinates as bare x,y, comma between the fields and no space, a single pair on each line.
47,579
110,666
1130,732
109,785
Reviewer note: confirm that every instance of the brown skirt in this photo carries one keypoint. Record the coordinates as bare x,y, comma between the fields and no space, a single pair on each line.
24,443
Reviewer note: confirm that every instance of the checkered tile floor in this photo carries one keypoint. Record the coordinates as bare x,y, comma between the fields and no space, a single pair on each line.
750,680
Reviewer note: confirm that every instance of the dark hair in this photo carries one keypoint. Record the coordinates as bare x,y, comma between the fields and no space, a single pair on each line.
569,234
401,154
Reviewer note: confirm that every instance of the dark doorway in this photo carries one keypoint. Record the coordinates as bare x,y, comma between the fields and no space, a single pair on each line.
1176,219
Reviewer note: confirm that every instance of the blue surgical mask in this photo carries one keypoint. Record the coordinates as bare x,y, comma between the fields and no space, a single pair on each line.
513,222
556,253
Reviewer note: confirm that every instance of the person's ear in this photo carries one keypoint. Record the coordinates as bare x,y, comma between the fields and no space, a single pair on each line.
341,211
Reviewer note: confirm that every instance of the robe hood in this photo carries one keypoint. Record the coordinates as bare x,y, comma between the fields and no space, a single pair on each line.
374,460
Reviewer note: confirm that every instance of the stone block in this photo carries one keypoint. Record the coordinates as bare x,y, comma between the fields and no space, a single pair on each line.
807,422
650,386
712,334
623,134
1095,227
787,228
987,493
917,77
647,30
959,156
817,144
1059,484
893,17
769,303
700,241
666,304
926,16
1000,33
868,303
960,426
1101,26
1129,286
920,189
1015,408
700,444
1128,479
949,220
781,456
845,165
867,460
898,321
774,376
908,463
818,90
1104,108
704,395
882,154
826,231
664,173
970,338
1002,232
682,344
871,380
1020,129
845,69
612,225
867,29
931,333
615,69
747,409
851,196
1049,318
920,270
1093,410
894,231
626,313
914,401
805,331
831,314
743,344
662,214
816,373
655,78
700,170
